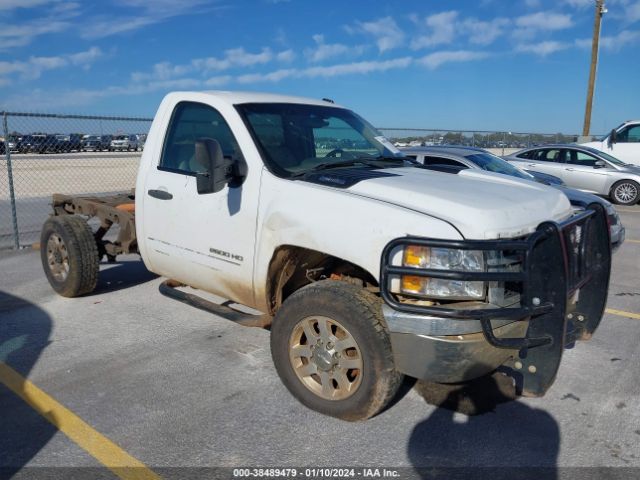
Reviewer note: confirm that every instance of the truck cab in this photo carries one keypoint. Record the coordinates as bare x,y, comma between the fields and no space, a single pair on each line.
623,142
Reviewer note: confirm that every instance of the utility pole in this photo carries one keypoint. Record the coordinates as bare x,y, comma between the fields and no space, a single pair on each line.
600,11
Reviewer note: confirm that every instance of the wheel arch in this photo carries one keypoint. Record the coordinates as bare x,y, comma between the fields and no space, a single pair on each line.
292,267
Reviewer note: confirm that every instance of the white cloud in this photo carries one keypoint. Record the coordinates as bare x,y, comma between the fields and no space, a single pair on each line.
386,32
579,3
436,59
13,4
529,25
632,12
286,56
15,34
145,13
275,76
441,28
542,48
12,36
545,21
328,71
358,67
86,57
612,42
218,81
322,51
232,58
445,28
34,66
484,33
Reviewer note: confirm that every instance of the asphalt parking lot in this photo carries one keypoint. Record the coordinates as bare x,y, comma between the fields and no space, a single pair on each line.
158,382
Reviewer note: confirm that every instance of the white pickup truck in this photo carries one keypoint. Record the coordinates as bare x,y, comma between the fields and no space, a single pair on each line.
366,264
623,142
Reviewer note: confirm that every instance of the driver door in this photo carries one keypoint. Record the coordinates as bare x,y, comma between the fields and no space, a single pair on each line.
202,240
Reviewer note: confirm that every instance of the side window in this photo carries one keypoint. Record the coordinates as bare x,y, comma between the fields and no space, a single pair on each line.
525,154
548,155
580,158
630,134
414,157
191,122
443,161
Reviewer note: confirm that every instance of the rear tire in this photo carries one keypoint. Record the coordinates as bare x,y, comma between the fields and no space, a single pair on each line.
331,349
625,192
69,255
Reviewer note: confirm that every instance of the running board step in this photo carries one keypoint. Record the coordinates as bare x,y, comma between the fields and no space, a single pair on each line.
169,288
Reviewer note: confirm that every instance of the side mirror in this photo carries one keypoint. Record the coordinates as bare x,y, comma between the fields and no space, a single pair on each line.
216,170
599,164
613,138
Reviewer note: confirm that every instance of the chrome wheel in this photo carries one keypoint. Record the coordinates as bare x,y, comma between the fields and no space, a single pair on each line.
57,258
325,357
626,193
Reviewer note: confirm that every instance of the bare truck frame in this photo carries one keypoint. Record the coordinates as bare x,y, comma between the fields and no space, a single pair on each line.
116,209
119,210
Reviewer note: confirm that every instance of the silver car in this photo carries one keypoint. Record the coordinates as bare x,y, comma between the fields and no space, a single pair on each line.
585,169
455,157
124,142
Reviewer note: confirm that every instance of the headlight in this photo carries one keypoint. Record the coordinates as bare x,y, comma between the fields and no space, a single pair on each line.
443,259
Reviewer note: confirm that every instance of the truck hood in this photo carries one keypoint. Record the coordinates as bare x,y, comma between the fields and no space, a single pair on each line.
480,205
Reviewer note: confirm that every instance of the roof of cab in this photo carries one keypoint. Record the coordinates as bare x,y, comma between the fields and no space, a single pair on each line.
236,98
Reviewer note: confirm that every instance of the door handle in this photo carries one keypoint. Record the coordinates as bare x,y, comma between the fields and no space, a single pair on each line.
160,194
532,164
570,169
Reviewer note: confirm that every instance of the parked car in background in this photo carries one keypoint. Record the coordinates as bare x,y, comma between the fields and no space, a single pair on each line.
584,168
476,158
75,142
60,144
12,142
96,143
33,143
124,143
623,142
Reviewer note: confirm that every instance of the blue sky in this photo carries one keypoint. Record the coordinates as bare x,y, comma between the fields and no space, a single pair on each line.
519,65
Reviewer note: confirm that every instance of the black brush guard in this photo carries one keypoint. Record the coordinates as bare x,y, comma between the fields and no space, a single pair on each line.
564,282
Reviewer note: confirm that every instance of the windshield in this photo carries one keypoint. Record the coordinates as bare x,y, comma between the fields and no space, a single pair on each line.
491,163
121,137
607,157
296,138
93,138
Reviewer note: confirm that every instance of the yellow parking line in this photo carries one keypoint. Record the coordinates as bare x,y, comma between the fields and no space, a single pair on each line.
622,313
627,211
97,445
632,241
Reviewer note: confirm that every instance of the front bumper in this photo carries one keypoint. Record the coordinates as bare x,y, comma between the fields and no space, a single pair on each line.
564,281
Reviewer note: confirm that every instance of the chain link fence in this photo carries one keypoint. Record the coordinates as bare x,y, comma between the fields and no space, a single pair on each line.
501,143
42,154
73,154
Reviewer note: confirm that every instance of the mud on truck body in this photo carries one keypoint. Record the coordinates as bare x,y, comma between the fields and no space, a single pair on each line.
364,263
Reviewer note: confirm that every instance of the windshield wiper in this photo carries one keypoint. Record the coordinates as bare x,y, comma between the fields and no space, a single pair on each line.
374,162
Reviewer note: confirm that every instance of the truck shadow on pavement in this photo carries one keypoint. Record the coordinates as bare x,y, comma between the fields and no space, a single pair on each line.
468,437
120,275
24,334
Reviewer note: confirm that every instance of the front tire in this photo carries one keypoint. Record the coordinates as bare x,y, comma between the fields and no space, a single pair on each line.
331,349
625,192
69,255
